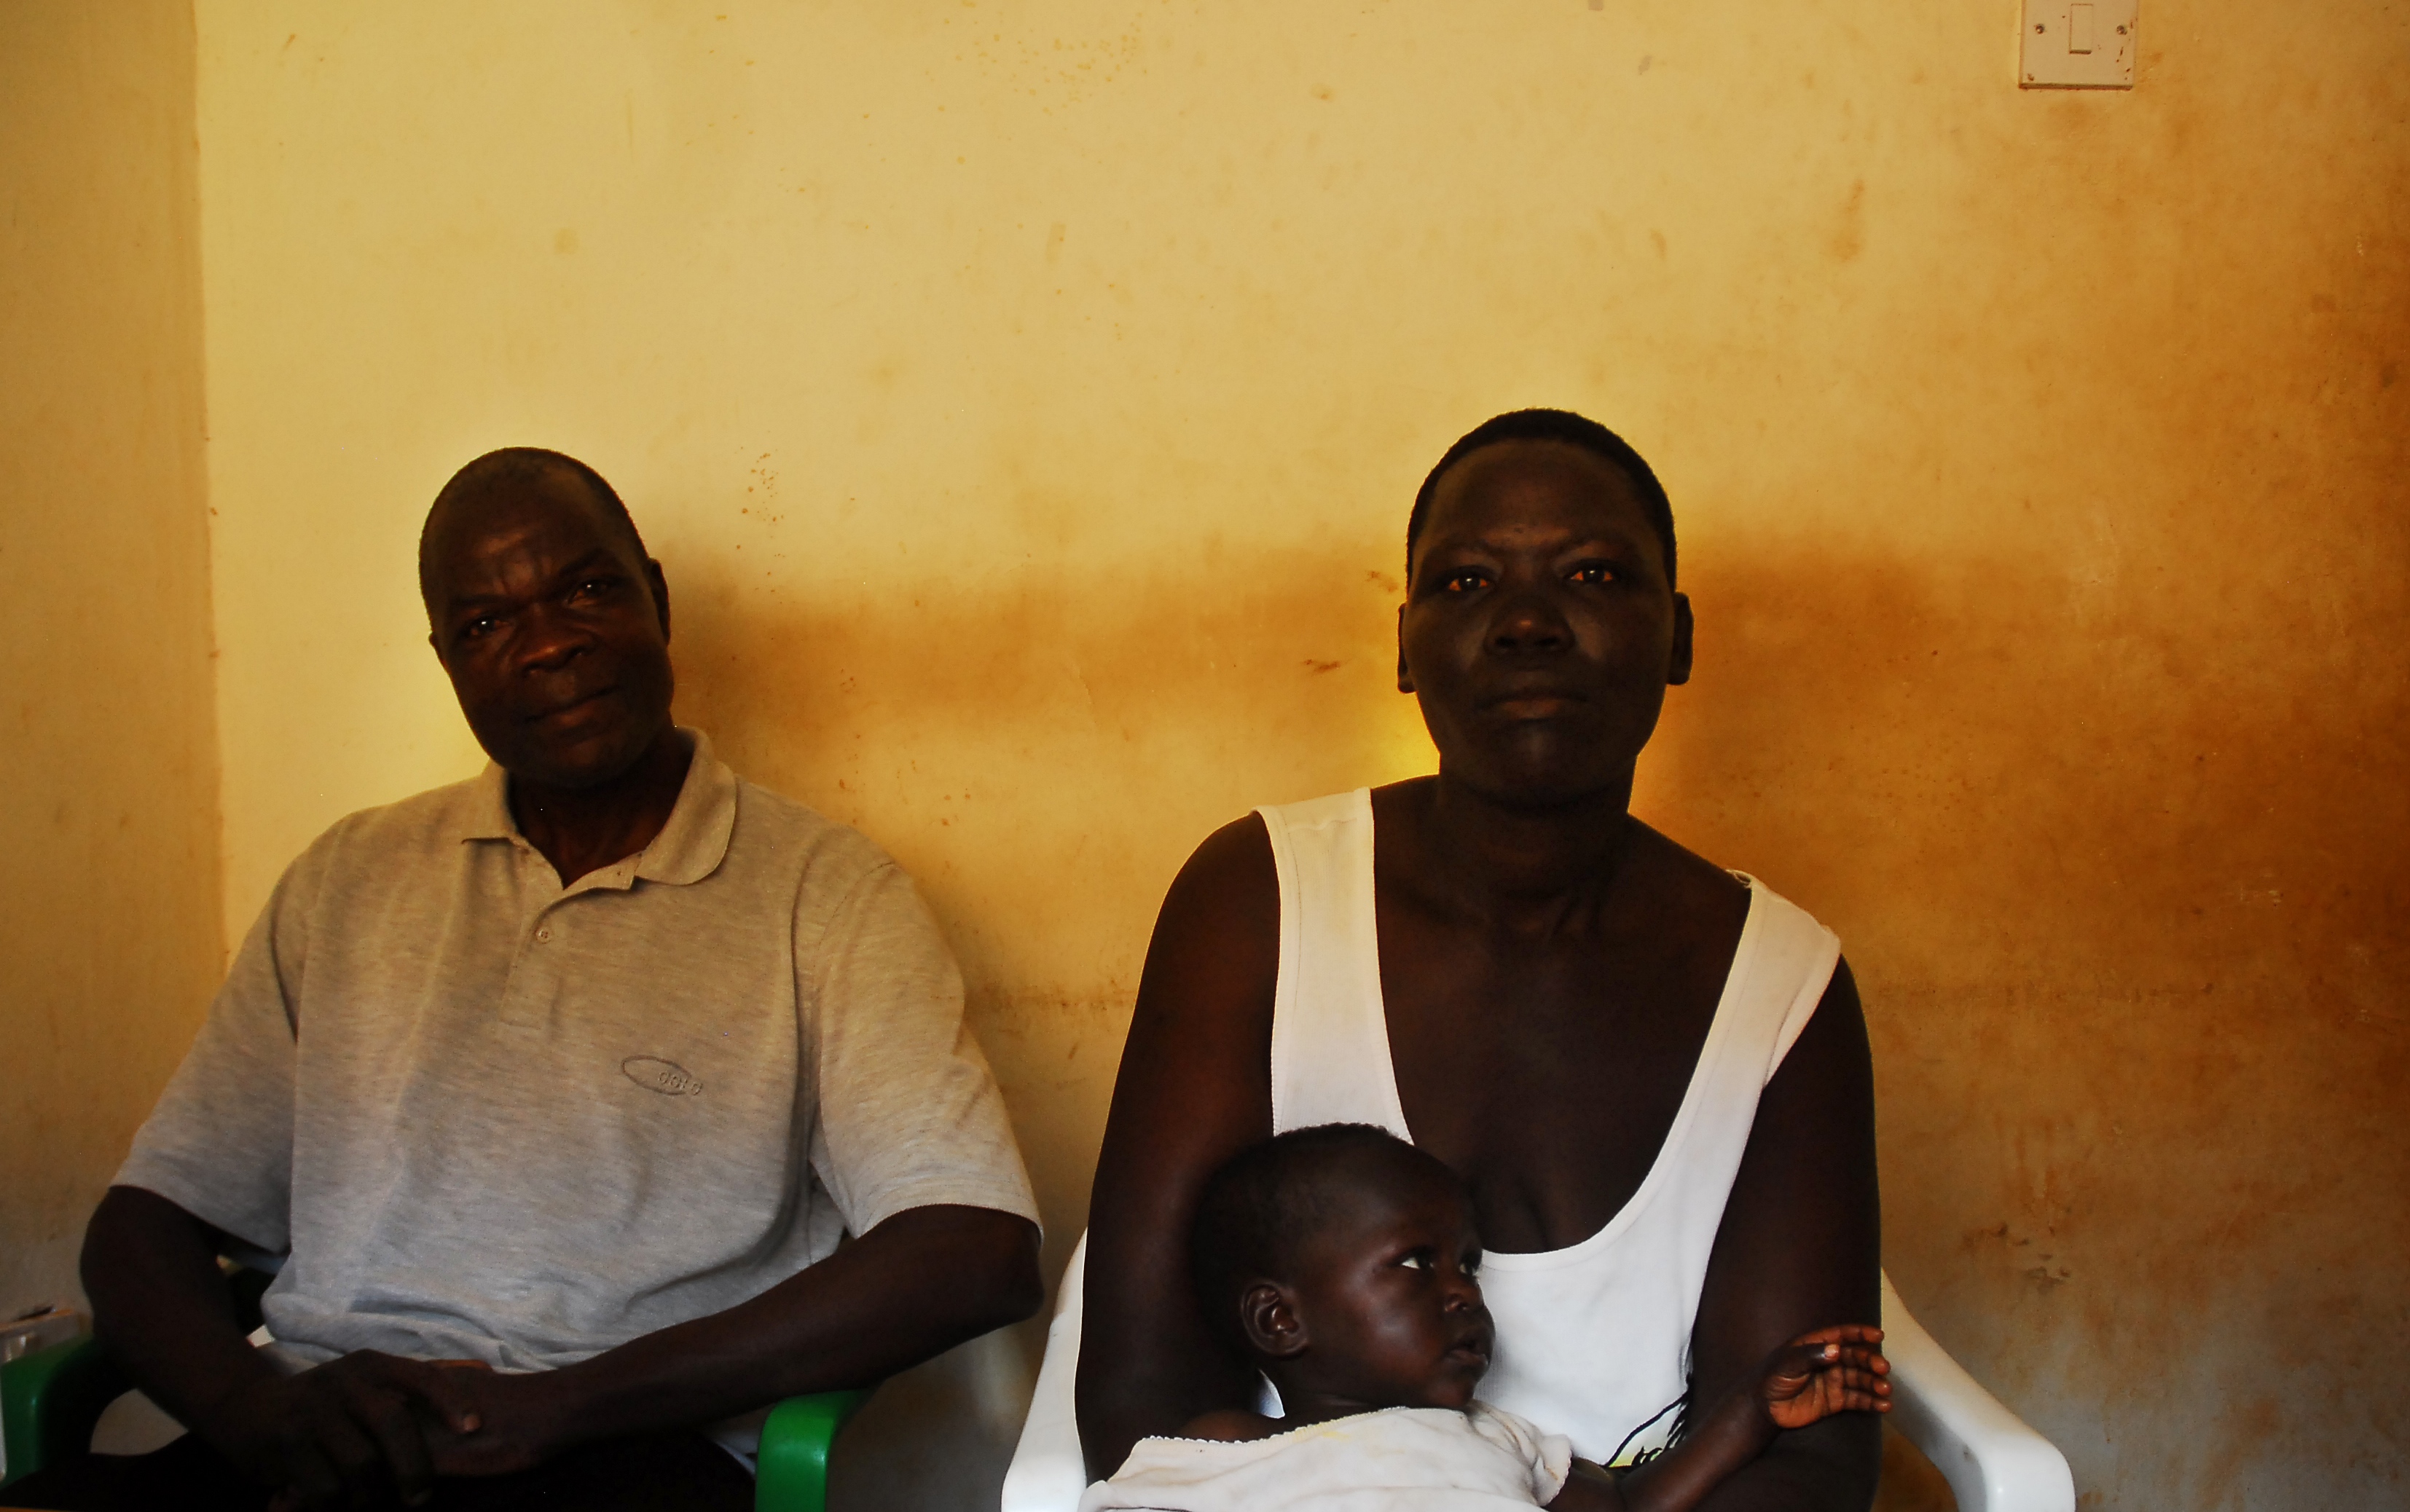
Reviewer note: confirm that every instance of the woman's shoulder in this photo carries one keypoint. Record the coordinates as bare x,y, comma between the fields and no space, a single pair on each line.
1199,1038
1682,899
1227,886
1691,877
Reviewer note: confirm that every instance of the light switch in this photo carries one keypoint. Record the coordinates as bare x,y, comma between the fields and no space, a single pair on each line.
2077,44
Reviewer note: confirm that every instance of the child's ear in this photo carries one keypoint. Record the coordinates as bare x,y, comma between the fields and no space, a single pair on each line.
1274,1328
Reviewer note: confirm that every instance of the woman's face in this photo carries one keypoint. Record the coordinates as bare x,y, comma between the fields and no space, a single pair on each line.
1539,633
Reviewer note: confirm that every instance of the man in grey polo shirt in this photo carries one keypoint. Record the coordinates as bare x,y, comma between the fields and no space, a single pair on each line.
578,1072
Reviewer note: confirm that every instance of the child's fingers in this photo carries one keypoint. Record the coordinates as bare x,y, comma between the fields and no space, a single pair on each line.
1830,1369
1846,1390
1801,1359
1850,1379
1798,1360
1842,1333
1856,1357
1826,1393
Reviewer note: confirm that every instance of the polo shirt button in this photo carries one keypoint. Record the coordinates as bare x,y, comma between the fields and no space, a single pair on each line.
543,937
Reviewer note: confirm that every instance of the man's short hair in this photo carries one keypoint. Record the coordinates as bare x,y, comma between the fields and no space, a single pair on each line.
1553,425
1263,1202
520,464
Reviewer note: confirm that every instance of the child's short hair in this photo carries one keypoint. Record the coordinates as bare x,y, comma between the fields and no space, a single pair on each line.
1264,1200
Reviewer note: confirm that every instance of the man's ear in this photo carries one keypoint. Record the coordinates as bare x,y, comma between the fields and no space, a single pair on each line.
660,586
1677,666
1406,679
437,647
1274,1328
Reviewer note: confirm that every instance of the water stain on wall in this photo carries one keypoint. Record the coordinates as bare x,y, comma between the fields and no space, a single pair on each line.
2126,906
2126,928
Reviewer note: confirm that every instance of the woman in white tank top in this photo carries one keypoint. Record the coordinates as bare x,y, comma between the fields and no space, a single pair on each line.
1653,1075
1593,1339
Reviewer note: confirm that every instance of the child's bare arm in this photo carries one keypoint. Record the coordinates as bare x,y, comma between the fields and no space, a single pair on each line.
1590,1489
1809,1379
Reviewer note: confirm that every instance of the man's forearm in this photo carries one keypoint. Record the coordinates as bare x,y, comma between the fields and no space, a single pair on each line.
919,1283
160,1305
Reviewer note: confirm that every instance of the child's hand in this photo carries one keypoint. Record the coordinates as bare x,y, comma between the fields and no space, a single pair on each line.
1831,1370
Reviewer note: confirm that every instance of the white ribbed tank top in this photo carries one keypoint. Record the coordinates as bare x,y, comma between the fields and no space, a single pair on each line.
1593,1340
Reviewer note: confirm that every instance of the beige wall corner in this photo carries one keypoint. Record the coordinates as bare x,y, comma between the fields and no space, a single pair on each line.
109,812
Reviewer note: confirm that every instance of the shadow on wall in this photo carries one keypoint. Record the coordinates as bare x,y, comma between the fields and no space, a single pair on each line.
2115,862
1042,756
1041,753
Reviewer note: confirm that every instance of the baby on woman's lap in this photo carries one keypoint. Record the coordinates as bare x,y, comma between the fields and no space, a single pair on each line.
1342,1263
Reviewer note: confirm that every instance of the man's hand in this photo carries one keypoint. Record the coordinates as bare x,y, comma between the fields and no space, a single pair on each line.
357,1431
914,1284
354,1432
513,1422
368,1427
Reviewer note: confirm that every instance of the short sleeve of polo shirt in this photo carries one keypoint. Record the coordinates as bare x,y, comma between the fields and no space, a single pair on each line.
219,1145
909,1115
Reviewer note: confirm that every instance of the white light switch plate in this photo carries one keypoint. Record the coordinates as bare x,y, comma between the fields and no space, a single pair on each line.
2077,44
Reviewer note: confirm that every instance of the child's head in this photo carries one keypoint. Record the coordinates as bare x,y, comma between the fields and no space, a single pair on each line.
1341,1259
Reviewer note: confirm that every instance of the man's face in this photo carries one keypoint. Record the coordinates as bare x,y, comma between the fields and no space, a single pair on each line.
1539,632
1386,1295
554,631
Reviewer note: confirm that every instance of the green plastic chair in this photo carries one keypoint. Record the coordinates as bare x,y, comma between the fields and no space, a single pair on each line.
50,1400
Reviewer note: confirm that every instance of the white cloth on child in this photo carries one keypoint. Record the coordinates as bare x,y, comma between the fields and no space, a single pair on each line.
1594,1339
1399,1460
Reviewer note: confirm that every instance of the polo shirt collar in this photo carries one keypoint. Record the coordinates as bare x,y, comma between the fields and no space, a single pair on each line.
691,844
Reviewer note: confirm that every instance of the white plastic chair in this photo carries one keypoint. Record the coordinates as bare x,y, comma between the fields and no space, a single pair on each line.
1993,1462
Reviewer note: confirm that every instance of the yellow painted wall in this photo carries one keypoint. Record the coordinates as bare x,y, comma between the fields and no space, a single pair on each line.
110,900
1025,399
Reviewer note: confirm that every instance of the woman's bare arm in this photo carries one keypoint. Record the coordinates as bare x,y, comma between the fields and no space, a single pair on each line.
1194,1089
1800,1248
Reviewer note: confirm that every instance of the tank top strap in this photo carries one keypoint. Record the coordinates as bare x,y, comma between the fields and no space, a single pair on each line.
1594,1339
1779,973
1778,979
1330,1034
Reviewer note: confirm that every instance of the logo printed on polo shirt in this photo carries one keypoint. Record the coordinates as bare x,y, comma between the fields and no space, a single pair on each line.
667,1077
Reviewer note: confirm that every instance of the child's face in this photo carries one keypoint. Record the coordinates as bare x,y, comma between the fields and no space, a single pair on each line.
1385,1296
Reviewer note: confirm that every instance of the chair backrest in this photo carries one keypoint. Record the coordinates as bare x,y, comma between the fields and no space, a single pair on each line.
1048,1472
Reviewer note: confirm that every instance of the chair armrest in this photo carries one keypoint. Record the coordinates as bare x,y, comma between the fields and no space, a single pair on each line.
1993,1462
50,1400
791,1474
